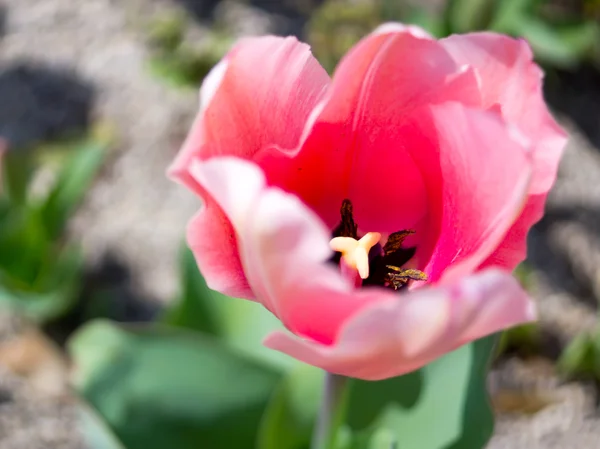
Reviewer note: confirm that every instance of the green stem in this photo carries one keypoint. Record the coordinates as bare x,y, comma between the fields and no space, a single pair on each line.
332,412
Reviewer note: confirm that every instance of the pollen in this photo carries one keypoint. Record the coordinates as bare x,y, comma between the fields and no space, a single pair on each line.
355,253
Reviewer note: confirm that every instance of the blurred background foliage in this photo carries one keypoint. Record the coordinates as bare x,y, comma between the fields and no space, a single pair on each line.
197,372
561,34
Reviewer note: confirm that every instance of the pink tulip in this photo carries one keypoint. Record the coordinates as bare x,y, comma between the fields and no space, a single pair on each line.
449,139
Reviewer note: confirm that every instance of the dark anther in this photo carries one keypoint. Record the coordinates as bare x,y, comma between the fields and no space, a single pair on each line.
384,263
399,277
395,240
347,226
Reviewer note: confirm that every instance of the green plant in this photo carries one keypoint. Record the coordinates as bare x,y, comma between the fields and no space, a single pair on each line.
200,378
40,271
180,62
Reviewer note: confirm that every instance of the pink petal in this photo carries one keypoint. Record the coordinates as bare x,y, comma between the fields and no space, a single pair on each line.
211,236
509,78
213,242
357,147
260,94
513,248
400,334
484,177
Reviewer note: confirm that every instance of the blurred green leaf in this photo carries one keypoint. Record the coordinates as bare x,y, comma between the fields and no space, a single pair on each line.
197,307
166,387
73,181
289,417
462,16
449,392
185,65
23,243
509,14
17,169
582,38
53,293
95,430
547,43
581,356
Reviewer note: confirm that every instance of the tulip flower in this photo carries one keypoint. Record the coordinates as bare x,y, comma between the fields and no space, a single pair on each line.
378,213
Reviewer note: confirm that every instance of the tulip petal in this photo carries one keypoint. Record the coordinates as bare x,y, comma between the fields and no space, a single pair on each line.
484,176
513,248
357,148
260,94
398,335
211,236
509,78
214,245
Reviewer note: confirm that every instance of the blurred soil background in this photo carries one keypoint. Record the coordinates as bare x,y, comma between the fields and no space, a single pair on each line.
130,66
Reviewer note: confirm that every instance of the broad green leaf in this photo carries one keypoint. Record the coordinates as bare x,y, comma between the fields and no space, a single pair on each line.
240,323
289,418
95,430
197,307
441,406
163,388
73,181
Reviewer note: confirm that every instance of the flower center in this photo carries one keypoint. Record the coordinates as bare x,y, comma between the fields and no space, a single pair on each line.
376,265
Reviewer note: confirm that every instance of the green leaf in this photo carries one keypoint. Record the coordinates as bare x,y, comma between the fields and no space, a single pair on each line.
96,433
17,169
547,43
166,387
449,392
289,418
23,243
581,357
197,306
54,292
462,16
73,181
508,14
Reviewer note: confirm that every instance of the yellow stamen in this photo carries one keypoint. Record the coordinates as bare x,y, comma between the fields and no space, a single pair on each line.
356,252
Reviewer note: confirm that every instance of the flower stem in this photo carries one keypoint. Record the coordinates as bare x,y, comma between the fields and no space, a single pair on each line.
332,412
